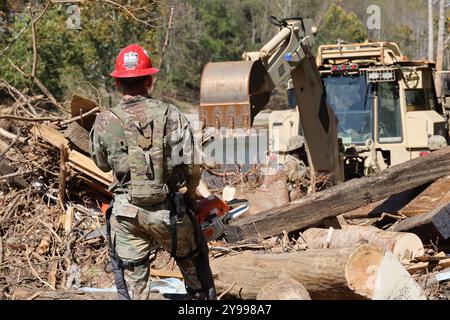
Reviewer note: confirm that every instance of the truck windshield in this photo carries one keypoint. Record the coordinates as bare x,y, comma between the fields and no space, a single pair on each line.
351,99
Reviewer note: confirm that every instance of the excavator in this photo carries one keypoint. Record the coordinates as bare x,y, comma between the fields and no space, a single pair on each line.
357,109
234,93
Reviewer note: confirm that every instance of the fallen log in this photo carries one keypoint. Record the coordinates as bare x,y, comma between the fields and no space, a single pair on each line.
404,246
391,205
348,196
432,226
366,272
283,289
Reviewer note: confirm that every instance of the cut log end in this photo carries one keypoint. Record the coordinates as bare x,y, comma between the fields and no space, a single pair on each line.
408,247
362,268
284,289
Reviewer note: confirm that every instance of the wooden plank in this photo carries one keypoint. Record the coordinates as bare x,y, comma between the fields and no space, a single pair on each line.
76,160
422,266
430,227
50,135
348,196
87,166
96,186
434,196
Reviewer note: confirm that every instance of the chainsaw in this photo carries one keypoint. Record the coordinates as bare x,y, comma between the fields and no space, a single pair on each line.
213,214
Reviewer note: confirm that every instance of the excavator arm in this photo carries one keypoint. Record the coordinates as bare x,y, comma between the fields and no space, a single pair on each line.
233,93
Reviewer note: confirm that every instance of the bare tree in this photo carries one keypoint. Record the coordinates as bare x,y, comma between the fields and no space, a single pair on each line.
440,47
430,31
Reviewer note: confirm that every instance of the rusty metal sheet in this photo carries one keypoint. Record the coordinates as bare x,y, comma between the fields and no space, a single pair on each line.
232,93
226,82
228,116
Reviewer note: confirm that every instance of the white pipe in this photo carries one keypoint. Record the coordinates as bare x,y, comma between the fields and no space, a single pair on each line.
275,42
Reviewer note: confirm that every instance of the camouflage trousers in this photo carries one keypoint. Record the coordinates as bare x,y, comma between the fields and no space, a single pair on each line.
134,230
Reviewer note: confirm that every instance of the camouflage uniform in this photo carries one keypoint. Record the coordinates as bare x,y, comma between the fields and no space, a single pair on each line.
134,229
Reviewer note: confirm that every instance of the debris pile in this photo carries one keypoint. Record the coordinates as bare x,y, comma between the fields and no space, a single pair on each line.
380,237
52,204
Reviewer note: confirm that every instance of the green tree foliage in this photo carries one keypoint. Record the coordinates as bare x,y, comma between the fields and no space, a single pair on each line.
337,24
4,9
68,58
204,31
404,37
4,6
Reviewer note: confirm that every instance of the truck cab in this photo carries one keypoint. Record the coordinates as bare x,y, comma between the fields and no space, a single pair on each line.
387,106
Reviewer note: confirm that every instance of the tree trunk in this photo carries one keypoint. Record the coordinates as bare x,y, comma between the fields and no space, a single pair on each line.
430,31
404,246
343,198
440,48
366,272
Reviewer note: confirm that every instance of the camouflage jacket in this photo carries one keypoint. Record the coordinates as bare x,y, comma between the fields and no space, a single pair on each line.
108,153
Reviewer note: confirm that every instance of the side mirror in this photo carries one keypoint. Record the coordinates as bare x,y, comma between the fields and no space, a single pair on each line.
314,31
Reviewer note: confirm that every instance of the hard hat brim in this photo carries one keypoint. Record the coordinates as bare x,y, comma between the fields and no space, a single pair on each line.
134,73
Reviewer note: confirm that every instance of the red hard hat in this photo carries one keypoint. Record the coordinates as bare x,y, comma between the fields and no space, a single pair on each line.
133,62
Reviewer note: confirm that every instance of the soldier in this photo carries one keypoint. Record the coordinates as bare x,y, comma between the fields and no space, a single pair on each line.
149,146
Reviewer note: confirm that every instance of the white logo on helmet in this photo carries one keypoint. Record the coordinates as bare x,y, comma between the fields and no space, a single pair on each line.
131,60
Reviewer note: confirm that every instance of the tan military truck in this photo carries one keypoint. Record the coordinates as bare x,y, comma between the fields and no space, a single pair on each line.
386,104
233,95
366,101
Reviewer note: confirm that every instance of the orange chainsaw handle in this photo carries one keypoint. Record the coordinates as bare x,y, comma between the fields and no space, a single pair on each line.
205,206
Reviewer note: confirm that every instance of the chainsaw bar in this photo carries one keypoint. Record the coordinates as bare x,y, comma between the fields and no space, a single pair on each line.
238,208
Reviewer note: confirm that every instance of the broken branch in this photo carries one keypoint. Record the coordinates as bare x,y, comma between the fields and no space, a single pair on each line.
31,119
34,271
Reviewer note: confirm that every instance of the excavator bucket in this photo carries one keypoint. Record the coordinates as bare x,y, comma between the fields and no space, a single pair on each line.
232,93
321,136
